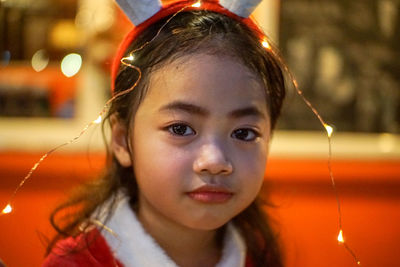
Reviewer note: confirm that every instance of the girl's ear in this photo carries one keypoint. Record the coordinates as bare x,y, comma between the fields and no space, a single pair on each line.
119,143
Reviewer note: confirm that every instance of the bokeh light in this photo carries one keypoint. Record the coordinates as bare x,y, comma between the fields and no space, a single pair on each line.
40,60
71,64
5,58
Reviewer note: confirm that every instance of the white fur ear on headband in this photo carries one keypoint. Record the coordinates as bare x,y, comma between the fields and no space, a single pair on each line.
242,8
139,10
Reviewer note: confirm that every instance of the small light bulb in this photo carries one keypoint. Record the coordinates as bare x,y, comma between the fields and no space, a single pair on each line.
130,58
266,44
328,129
197,4
98,120
340,236
7,209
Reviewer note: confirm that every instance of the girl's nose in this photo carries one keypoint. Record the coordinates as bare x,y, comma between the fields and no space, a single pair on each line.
211,159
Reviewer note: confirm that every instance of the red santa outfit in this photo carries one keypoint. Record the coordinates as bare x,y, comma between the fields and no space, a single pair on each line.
124,242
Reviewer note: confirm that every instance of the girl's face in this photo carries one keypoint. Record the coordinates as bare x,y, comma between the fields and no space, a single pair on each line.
199,142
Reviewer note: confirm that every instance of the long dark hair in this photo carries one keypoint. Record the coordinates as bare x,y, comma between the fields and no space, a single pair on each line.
187,33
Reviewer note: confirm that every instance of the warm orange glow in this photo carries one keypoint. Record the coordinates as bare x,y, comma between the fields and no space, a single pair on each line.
7,209
371,173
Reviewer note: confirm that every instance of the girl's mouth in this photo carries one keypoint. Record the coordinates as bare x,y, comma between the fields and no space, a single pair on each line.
211,194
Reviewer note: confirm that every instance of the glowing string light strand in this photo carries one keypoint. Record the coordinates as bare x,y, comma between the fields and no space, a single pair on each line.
329,131
125,61
8,208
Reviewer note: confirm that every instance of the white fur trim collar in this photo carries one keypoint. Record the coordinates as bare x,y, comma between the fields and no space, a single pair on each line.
142,250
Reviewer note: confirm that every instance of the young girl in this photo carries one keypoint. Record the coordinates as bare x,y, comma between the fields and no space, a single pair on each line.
201,91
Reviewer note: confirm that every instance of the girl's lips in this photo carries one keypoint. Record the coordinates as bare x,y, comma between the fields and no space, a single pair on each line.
210,194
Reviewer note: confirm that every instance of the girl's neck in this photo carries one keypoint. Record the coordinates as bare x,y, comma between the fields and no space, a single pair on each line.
185,246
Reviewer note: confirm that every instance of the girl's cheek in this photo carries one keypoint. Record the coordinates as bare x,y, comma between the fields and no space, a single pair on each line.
172,154
254,164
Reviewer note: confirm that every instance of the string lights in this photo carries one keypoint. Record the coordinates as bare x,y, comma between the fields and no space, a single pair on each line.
329,129
265,44
340,238
197,4
329,132
127,61
7,209
98,120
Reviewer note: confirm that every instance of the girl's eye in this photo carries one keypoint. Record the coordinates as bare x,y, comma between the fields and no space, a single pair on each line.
245,134
181,129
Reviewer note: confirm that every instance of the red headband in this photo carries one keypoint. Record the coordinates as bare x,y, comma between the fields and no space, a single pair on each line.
168,10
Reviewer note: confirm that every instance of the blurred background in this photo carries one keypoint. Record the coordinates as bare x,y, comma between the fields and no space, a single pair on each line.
55,59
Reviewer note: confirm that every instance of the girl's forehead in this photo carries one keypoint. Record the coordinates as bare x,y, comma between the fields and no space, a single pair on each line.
207,80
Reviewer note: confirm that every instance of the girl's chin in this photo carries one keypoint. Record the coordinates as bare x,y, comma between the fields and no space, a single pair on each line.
208,224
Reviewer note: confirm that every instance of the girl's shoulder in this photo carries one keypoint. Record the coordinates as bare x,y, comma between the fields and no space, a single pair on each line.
86,249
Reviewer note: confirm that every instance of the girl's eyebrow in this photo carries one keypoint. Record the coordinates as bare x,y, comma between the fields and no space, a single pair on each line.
196,110
186,107
246,111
